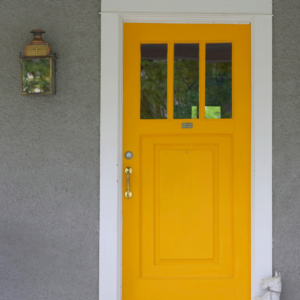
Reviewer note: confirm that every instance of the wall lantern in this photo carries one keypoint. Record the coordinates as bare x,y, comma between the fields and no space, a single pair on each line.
37,67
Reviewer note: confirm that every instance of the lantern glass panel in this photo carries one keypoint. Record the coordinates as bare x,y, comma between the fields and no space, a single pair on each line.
36,75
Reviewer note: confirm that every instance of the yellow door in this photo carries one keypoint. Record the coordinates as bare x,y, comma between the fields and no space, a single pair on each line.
186,137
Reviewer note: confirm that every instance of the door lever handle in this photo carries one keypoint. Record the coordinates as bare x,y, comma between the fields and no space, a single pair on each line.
128,193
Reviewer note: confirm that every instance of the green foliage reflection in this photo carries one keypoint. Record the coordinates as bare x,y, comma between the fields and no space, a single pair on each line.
219,87
153,89
186,88
212,112
36,75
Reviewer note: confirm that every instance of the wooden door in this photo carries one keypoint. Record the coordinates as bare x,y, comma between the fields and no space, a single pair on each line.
187,122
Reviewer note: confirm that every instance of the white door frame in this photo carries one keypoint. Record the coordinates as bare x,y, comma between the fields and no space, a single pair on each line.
110,248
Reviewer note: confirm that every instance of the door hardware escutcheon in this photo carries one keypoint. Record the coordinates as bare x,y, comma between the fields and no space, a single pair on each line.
128,172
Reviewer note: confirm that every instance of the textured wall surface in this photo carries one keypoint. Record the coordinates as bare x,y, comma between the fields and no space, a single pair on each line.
286,145
49,155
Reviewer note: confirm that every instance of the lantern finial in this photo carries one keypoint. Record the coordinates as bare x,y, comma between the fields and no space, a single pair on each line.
37,36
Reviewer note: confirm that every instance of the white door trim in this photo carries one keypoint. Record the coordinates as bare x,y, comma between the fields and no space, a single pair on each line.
110,248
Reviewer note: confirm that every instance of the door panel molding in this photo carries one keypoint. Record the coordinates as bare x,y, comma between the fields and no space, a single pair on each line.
218,267
110,248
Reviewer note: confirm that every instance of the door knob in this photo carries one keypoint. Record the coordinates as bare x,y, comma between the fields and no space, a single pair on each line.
128,193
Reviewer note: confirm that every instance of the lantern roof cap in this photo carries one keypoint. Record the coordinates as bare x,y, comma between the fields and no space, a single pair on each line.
37,48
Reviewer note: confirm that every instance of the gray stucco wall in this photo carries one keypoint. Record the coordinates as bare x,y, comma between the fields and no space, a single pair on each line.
286,145
49,155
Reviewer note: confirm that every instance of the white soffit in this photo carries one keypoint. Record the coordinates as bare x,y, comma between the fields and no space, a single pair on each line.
189,6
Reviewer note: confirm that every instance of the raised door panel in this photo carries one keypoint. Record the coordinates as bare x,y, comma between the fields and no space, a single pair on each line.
184,203
182,232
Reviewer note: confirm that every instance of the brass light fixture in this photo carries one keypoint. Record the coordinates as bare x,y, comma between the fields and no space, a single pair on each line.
37,67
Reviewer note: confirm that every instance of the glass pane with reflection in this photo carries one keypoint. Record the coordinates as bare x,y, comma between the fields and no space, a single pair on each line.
36,75
218,86
154,81
186,81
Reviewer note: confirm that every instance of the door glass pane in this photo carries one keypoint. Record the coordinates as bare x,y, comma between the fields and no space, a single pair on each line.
154,81
186,81
218,93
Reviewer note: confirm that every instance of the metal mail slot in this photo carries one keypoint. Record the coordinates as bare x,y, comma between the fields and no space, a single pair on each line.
186,125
